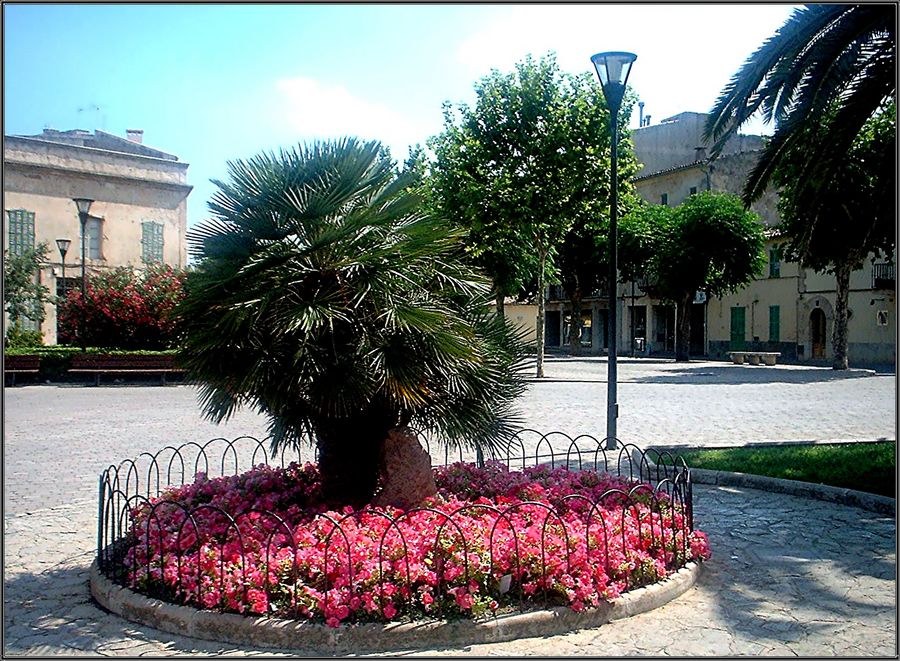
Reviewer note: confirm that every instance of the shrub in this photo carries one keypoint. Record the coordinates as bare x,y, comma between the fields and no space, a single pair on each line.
124,309
20,338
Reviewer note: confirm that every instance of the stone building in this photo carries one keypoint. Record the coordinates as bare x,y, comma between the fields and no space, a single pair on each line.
788,309
139,214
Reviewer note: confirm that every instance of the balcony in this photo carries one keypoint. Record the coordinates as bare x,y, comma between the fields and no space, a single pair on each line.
883,276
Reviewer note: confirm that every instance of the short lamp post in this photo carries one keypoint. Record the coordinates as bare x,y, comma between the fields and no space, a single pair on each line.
63,245
613,68
84,206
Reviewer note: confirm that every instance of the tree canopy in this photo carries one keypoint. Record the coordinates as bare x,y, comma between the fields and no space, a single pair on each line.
522,166
23,296
708,243
831,66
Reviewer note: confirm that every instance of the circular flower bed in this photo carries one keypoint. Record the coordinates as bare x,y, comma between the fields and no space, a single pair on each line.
263,542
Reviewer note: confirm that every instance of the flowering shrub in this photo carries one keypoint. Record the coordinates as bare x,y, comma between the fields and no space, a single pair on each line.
123,309
264,542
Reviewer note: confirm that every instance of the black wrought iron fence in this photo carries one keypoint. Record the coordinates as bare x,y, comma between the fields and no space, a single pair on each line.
150,542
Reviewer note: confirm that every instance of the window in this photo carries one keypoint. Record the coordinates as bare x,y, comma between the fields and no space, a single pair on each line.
693,190
775,262
94,233
664,199
774,323
151,241
21,231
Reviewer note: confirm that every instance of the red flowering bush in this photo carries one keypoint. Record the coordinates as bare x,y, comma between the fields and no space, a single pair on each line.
123,309
263,542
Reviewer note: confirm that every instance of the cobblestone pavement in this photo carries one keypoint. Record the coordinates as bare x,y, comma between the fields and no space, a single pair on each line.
86,429
789,576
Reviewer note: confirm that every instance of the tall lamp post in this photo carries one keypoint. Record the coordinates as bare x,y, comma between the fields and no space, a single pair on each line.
84,206
613,68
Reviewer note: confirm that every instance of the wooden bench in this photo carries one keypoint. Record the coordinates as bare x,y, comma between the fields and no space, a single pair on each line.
99,364
13,365
754,357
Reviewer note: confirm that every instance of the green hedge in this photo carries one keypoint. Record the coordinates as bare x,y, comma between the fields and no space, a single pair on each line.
56,360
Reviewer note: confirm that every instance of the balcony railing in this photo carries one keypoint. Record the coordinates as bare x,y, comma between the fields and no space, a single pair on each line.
557,293
883,276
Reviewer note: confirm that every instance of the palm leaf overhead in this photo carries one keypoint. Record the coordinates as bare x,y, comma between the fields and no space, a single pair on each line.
327,299
828,65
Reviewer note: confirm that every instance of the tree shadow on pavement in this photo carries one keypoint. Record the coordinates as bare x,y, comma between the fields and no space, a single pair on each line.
733,375
791,573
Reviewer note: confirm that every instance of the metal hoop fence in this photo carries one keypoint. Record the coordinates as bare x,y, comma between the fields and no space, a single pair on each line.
137,541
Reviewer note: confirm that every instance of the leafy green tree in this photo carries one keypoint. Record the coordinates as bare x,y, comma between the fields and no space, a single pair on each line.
522,166
709,243
583,268
831,66
834,226
23,296
329,299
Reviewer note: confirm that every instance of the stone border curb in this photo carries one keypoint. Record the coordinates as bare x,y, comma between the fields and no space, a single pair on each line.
291,634
841,496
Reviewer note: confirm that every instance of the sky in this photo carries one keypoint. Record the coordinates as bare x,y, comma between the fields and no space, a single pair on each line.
212,83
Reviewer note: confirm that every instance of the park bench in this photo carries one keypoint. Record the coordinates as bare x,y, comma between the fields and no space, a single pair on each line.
13,365
99,364
754,357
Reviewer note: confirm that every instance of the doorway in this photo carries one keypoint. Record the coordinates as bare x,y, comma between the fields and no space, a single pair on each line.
738,328
817,333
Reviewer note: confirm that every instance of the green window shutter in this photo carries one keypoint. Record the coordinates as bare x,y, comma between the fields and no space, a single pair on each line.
151,241
774,323
775,262
738,328
21,231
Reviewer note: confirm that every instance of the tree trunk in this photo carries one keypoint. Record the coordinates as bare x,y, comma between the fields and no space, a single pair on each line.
577,324
683,329
540,315
501,310
839,336
350,456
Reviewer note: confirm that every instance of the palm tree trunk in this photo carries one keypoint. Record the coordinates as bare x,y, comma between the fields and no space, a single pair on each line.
350,458
683,330
839,336
501,311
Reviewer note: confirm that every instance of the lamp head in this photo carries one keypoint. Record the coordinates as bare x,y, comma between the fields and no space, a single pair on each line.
63,245
613,68
83,204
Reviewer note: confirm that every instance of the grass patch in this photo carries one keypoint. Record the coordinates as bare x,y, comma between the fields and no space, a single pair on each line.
870,467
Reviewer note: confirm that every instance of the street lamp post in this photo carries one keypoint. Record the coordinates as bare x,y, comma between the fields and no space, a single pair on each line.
612,69
63,246
84,206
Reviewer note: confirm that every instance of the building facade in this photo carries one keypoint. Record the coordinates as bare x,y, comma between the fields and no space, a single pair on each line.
138,217
788,308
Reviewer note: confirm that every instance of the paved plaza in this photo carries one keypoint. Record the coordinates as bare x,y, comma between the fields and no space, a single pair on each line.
788,575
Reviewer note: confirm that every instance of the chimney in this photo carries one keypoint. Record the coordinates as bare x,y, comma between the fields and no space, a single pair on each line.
640,113
135,135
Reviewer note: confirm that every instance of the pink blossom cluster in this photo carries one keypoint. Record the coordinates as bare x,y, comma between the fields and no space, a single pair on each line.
263,542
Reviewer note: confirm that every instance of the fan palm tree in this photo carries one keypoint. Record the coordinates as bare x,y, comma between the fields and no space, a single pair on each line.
828,65
327,299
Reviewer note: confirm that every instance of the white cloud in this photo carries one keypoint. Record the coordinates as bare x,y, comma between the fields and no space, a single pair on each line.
686,53
317,110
